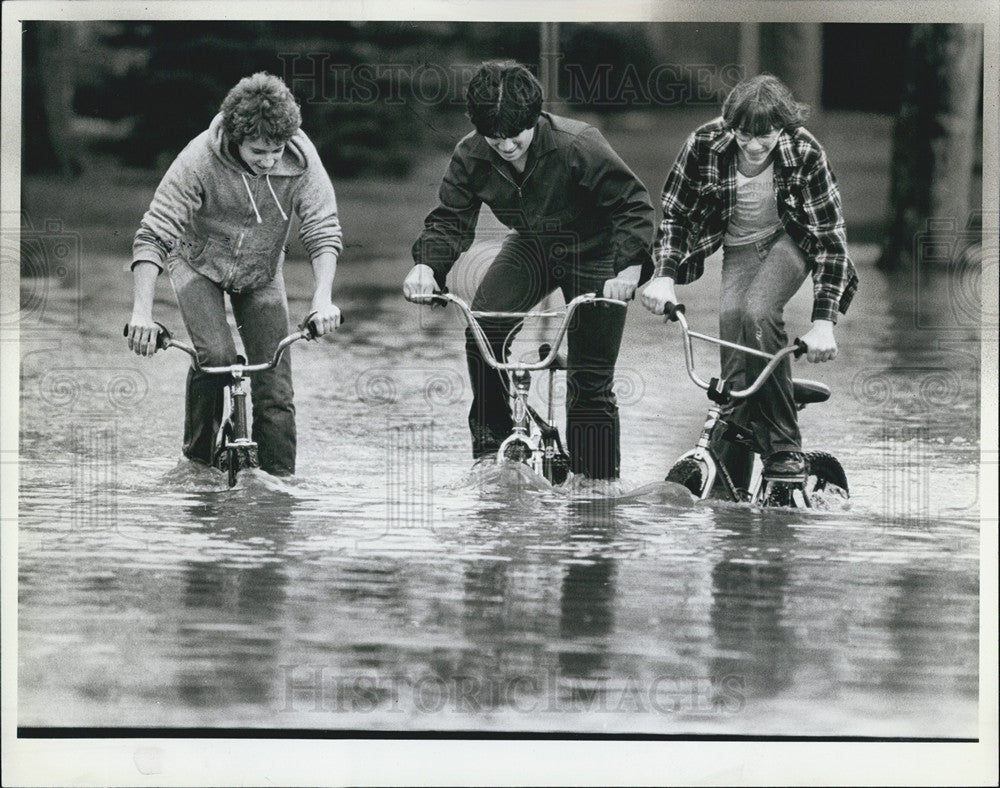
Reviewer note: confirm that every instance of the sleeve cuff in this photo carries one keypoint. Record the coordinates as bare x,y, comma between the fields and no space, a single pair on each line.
131,266
666,267
825,308
335,251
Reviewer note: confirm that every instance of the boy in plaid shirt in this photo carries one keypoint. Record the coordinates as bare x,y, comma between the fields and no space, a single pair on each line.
757,183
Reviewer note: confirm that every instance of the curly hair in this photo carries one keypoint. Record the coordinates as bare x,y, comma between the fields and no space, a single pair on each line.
503,99
260,107
760,103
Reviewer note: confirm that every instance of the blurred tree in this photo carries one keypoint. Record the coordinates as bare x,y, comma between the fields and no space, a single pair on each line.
49,59
863,66
354,81
934,140
605,67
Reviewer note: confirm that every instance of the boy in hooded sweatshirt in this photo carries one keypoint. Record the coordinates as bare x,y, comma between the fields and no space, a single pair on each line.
219,223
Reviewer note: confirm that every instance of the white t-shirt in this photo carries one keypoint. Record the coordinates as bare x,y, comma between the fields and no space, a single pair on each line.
756,214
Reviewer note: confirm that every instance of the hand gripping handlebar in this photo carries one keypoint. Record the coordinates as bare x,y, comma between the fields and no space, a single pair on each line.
472,318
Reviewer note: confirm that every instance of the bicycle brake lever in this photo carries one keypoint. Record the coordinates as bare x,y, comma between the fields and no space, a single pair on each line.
307,327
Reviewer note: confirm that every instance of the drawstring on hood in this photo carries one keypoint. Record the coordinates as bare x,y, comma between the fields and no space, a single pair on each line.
254,203
250,195
275,196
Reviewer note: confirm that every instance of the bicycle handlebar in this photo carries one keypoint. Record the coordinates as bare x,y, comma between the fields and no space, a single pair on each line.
165,340
472,317
675,314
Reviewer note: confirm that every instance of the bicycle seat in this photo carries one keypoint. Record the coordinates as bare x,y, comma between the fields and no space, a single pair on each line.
807,392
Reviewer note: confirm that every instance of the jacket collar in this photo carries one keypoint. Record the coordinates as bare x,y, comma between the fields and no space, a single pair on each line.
543,142
785,148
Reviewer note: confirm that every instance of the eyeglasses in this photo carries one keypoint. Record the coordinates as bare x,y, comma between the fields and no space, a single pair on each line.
744,138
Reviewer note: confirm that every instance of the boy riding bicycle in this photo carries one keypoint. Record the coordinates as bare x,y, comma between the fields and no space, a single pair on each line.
219,223
757,183
582,222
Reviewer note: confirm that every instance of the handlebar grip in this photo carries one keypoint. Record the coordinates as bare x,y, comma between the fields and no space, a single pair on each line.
801,348
671,310
307,326
162,336
435,298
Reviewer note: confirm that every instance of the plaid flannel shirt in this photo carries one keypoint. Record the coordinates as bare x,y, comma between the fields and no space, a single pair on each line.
699,197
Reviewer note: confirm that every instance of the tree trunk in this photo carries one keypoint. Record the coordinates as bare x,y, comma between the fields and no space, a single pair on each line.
934,144
749,48
794,54
50,81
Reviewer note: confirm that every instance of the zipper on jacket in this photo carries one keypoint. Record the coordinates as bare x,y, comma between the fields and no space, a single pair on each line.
512,182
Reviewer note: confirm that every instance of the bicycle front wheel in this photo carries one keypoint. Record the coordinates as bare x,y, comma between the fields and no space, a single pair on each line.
825,475
688,473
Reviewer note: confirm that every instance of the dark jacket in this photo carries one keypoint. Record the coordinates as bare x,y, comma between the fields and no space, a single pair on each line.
574,189
699,197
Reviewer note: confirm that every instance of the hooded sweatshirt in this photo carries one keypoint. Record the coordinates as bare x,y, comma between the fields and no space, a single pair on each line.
230,225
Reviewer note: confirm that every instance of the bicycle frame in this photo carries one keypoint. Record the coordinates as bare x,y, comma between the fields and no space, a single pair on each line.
235,440
522,445
721,394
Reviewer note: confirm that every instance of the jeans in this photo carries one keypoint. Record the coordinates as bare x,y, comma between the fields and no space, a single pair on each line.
262,321
758,279
520,277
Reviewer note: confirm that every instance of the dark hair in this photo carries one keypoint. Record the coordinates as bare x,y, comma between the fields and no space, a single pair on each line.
503,99
260,107
760,103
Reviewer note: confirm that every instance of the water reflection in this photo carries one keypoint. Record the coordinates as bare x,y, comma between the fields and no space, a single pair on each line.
749,586
921,641
228,640
587,602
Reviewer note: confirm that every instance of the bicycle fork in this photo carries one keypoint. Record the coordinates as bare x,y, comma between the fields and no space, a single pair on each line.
518,446
713,467
237,449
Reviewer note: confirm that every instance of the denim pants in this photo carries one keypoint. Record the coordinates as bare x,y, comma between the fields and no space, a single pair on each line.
758,279
522,274
262,320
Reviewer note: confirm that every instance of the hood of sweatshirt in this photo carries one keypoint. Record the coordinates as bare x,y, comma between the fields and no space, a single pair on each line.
292,161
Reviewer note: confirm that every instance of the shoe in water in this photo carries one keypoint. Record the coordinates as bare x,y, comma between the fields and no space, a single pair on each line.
485,440
785,464
484,461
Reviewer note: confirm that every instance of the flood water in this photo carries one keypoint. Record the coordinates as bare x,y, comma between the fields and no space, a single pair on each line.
385,587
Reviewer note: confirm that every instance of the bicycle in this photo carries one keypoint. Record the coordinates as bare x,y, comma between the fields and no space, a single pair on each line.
703,470
235,450
534,441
